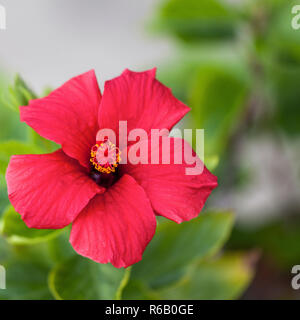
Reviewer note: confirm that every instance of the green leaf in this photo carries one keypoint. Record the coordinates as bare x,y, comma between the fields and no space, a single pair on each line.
10,148
217,99
25,281
11,127
79,278
4,202
27,269
218,279
15,231
47,91
60,248
222,279
194,20
4,249
174,246
18,94
212,162
42,143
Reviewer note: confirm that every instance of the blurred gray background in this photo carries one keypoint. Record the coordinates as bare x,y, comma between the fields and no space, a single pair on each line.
49,41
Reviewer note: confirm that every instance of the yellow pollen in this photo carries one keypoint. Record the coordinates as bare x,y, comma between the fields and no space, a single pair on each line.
105,157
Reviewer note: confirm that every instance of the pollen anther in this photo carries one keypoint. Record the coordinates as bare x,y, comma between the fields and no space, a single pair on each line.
105,157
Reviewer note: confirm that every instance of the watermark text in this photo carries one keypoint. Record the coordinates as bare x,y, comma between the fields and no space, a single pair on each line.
2,278
296,19
2,18
156,146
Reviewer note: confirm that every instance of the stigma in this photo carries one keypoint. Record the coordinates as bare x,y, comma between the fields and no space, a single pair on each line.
105,157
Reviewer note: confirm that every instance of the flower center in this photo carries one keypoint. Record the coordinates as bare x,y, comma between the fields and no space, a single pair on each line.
105,157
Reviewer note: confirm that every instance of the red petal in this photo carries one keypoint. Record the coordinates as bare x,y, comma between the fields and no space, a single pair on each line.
151,73
68,116
141,100
173,194
115,227
48,190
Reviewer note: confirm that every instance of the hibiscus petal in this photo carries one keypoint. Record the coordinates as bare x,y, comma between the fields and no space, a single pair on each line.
115,227
173,194
48,190
141,100
151,73
68,116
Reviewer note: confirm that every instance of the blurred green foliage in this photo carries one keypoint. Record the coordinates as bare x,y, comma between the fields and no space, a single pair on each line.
237,65
194,20
16,232
180,263
81,279
188,239
223,93
218,74
279,239
221,279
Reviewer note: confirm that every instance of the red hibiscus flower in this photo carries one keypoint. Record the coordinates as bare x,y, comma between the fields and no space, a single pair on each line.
112,207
